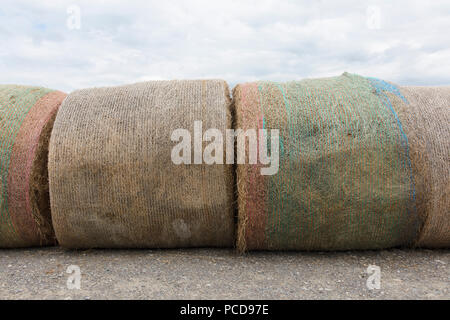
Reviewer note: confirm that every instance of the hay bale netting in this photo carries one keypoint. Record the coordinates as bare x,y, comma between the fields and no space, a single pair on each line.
345,179
426,122
112,180
26,116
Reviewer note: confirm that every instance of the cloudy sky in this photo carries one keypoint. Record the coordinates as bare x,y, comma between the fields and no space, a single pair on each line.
74,44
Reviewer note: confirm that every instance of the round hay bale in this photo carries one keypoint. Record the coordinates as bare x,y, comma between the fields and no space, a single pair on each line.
345,179
26,115
112,181
426,119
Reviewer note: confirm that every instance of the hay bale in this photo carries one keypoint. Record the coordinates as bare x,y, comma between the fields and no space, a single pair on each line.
345,179
26,115
425,120
112,181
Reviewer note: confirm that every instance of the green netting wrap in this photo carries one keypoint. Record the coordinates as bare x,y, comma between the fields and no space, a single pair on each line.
26,119
345,179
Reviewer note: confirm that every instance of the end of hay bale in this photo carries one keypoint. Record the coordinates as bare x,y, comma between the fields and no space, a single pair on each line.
425,119
241,243
30,113
39,190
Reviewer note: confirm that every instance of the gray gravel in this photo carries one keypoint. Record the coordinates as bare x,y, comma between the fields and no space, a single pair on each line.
223,274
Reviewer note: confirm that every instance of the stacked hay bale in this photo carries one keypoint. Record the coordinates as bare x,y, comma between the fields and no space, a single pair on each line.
112,180
426,122
26,116
346,178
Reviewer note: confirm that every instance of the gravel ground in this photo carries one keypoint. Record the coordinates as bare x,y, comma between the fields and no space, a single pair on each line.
223,274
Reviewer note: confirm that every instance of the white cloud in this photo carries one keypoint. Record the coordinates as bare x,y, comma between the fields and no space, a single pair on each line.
128,41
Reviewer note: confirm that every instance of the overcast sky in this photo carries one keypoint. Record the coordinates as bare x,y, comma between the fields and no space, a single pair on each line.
118,42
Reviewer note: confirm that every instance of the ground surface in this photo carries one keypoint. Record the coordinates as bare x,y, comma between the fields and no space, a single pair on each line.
223,274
